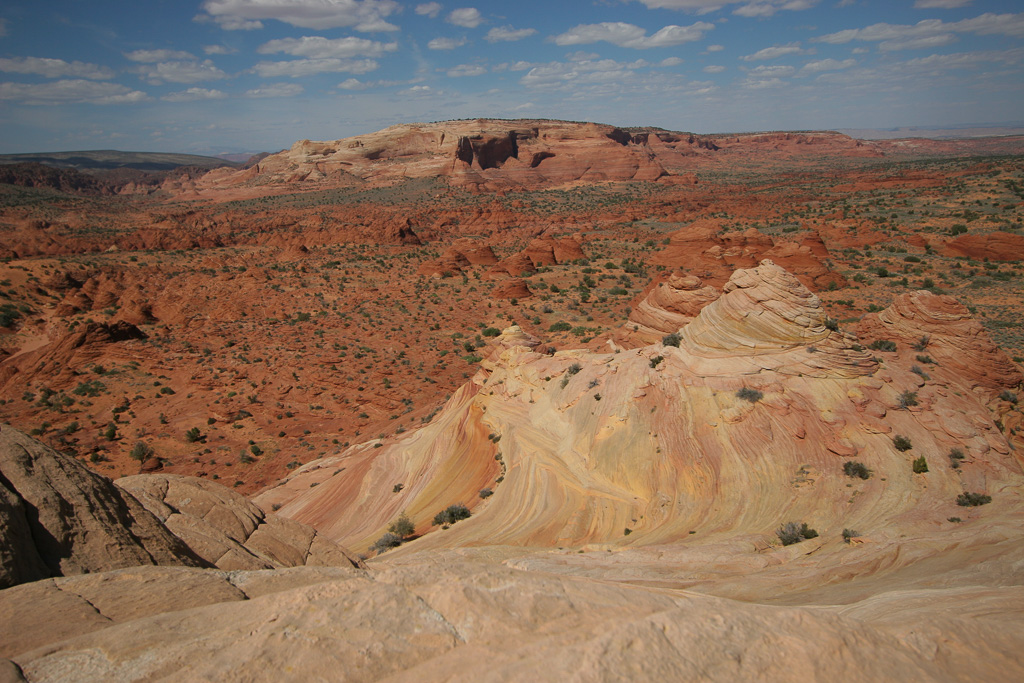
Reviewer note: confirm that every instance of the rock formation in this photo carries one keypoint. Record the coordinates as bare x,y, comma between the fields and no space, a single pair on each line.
995,246
58,518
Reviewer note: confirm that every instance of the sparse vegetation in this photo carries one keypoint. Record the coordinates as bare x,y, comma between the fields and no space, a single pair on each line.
920,465
748,394
673,339
966,499
450,515
794,532
856,470
901,443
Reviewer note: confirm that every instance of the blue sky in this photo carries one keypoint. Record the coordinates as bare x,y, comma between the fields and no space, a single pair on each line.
209,76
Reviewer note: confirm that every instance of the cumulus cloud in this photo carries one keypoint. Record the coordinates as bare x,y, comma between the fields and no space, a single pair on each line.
467,70
181,72
922,42
446,43
827,65
632,36
557,74
318,47
362,15
298,68
149,56
670,61
194,95
218,50
54,68
429,9
509,34
715,48
713,69
275,90
773,53
468,17
70,92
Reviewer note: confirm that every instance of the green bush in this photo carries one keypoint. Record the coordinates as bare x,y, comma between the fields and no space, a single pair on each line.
908,399
656,360
792,532
955,456
386,543
140,451
882,345
560,326
672,339
193,435
901,443
402,527
451,514
849,534
491,332
920,465
748,394
856,470
966,499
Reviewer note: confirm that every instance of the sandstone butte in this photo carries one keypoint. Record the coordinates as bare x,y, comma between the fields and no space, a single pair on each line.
630,533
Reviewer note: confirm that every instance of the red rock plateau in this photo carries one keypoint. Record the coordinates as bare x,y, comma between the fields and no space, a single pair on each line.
633,356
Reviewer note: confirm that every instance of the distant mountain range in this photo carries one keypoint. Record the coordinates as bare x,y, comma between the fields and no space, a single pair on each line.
109,159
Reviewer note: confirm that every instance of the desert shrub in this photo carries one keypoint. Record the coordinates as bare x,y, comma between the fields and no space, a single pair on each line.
672,339
397,487
849,534
656,360
916,369
386,543
831,324
748,394
486,493
140,451
110,433
920,465
402,527
925,359
573,369
966,499
955,456
922,343
451,514
193,435
793,532
908,399
560,326
856,470
491,332
882,345
1008,396
901,443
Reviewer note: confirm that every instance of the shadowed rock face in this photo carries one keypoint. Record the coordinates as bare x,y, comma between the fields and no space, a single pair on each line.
58,518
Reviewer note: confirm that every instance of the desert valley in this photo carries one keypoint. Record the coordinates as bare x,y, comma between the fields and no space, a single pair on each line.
516,400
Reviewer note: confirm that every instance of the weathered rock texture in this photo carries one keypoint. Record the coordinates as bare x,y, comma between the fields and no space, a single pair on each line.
228,531
58,518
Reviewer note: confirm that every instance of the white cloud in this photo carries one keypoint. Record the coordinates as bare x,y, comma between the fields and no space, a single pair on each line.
713,69
318,47
632,36
362,15
70,92
827,65
429,9
941,4
469,17
772,71
557,74
773,53
670,61
149,56
275,90
54,68
467,70
715,48
353,84
218,50
917,43
446,43
757,8
181,72
194,95
509,34
297,68
985,24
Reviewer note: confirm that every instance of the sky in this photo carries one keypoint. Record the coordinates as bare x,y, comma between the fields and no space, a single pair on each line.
218,76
